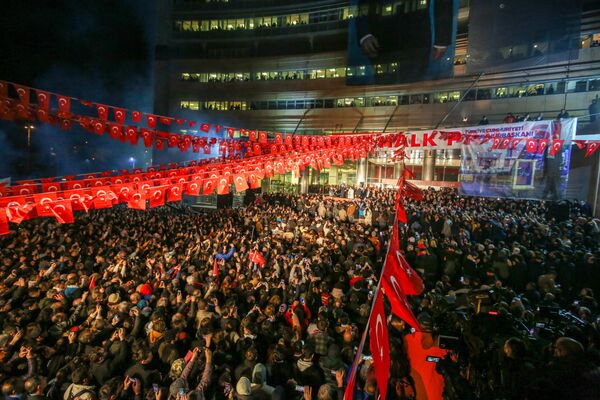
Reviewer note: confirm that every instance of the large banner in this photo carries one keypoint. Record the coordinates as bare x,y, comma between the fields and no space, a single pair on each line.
528,160
512,34
402,41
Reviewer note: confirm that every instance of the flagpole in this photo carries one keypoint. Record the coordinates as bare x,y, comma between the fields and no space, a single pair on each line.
364,335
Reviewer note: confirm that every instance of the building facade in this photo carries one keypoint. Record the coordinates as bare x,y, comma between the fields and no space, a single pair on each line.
281,65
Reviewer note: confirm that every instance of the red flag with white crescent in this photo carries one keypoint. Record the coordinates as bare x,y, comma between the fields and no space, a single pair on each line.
531,145
64,106
591,148
62,211
209,186
102,111
137,200
119,115
396,266
557,144
156,196
151,120
23,92
380,345
175,192
223,185
43,100
241,182
136,116
542,144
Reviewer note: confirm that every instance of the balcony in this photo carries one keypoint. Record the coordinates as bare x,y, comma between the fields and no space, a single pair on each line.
263,31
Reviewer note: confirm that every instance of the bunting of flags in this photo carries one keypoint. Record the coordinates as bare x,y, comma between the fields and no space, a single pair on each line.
59,197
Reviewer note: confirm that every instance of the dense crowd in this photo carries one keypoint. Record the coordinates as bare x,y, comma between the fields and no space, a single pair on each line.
174,304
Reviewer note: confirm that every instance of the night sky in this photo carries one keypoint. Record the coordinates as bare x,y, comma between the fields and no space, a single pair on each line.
96,50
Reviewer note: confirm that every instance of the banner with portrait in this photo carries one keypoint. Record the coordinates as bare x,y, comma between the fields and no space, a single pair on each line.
401,41
526,160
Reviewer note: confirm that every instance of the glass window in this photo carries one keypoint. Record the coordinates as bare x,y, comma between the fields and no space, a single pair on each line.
595,85
361,71
404,99
318,103
387,9
471,95
328,103
441,97
501,93
299,104
178,26
416,99
281,104
454,96
484,94
535,90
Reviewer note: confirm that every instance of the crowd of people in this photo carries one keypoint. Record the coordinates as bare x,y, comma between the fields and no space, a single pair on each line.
174,304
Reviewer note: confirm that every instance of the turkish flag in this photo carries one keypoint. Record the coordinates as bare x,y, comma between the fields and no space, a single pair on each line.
514,143
495,143
288,140
18,209
175,192
43,100
223,186
193,188
241,182
160,144
119,115
252,135
278,139
591,148
98,127
43,202
64,106
401,213
132,134
230,132
102,197
205,128
254,180
413,191
151,120
256,257
531,145
4,230
102,111
542,144
398,301
62,211
380,345
115,131
51,187
580,144
206,149
148,137
504,143
209,186
23,92
137,201
136,116
165,120
78,198
173,140
262,137
179,121
24,190
123,191
156,195
557,144
397,267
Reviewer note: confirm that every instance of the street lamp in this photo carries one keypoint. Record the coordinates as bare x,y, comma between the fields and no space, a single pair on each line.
132,161
29,128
